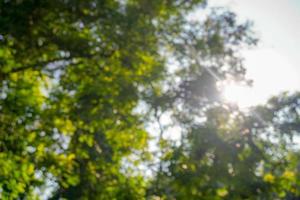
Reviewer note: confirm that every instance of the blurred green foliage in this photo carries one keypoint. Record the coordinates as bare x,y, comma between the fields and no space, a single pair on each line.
81,80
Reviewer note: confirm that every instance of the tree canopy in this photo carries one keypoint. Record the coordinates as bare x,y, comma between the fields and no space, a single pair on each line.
83,82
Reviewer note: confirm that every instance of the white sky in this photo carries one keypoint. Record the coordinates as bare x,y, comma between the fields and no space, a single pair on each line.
274,65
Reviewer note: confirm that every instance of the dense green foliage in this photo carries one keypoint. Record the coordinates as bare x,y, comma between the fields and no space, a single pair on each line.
81,80
233,155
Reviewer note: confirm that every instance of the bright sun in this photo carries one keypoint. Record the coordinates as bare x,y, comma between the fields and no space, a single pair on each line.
238,94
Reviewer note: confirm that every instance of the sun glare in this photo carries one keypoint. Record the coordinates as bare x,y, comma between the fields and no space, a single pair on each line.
238,94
